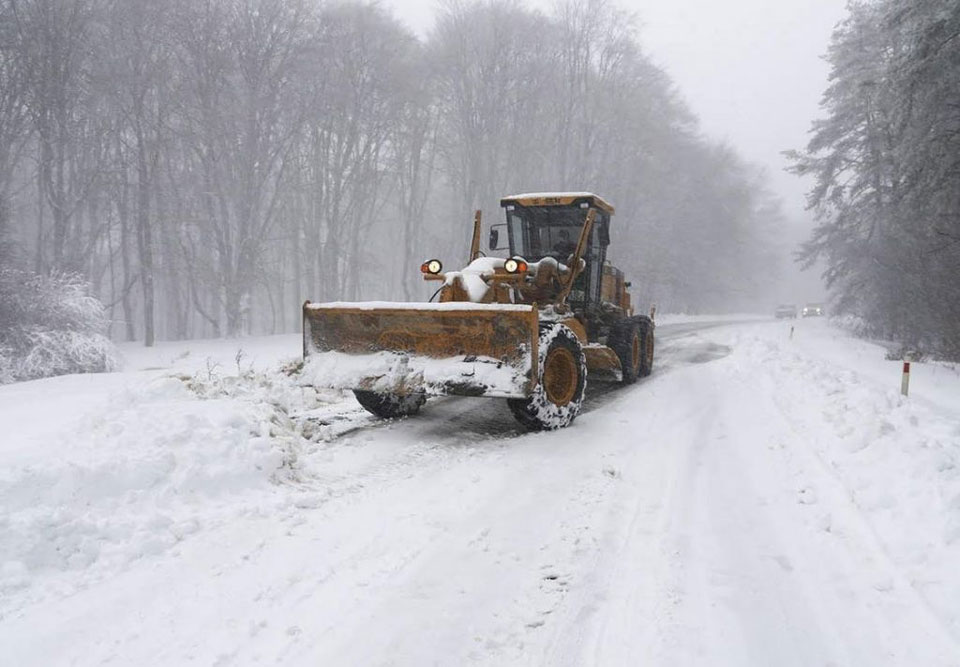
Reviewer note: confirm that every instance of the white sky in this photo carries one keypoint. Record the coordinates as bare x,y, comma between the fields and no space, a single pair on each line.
750,69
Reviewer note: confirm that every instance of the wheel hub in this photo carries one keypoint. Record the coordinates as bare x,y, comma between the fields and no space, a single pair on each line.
560,376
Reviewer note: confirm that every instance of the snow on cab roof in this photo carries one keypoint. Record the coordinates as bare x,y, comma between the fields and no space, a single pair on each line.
556,199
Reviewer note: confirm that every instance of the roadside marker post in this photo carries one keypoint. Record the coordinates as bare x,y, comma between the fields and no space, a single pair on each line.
905,382
791,332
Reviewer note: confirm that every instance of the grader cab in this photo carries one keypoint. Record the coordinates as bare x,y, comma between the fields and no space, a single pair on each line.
527,328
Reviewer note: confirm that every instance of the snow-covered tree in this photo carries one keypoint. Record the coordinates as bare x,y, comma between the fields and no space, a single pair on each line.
50,325
887,191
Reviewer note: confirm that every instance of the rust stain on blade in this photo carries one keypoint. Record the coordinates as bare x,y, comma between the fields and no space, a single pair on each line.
507,335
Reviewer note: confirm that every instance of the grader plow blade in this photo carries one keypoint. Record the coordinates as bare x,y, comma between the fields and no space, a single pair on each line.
456,348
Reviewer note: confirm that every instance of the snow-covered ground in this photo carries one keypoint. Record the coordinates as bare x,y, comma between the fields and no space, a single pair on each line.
759,500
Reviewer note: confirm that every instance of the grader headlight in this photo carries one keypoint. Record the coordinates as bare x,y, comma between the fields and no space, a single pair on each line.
432,266
515,265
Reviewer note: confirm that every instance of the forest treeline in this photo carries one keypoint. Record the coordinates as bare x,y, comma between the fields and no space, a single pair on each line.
207,165
886,159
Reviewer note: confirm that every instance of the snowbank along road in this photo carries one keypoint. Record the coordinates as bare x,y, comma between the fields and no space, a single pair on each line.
759,500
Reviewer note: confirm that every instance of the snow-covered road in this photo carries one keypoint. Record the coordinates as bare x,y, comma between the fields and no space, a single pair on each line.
758,500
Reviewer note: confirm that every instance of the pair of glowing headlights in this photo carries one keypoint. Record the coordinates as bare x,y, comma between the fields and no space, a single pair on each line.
512,265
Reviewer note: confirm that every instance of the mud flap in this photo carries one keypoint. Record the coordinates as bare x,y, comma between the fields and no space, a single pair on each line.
446,348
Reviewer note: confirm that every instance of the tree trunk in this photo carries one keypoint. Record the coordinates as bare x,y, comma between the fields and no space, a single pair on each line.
145,240
123,212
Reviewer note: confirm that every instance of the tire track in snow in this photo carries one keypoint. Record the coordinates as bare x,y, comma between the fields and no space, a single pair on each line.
477,419
753,566
374,474
450,423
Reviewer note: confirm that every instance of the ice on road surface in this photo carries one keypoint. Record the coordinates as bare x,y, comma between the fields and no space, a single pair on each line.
758,500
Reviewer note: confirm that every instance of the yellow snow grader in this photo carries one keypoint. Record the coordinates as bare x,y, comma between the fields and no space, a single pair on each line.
527,328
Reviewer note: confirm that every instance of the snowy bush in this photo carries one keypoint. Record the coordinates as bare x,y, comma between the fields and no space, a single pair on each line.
50,325
854,324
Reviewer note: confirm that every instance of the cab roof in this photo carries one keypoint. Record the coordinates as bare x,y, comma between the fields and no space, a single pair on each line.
557,199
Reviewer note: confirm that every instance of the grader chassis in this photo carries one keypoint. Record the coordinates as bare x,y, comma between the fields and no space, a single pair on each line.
527,328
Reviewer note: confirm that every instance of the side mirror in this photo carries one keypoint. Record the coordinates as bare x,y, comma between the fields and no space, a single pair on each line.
494,238
604,233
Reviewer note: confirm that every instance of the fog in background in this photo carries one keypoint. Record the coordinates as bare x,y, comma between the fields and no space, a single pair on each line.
753,71
206,167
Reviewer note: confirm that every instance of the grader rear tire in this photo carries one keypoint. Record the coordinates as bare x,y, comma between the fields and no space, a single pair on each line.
627,341
390,406
647,344
561,382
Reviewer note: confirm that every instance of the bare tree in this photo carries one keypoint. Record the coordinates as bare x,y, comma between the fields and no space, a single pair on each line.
138,78
60,42
243,116
14,116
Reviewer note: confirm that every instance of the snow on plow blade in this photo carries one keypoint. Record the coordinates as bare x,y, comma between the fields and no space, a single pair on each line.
465,349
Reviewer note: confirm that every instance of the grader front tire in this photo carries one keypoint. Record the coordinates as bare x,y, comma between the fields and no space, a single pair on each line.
561,382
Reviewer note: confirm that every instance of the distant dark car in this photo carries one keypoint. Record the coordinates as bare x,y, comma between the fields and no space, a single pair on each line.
787,310
812,310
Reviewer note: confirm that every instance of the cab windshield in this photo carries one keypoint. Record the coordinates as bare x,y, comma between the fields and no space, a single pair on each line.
544,231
